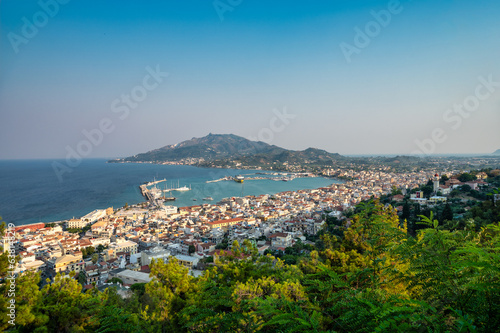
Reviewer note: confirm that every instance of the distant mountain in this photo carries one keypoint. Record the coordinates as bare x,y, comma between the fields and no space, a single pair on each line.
401,159
230,147
497,152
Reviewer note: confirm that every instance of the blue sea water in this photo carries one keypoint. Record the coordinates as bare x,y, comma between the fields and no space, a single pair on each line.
31,192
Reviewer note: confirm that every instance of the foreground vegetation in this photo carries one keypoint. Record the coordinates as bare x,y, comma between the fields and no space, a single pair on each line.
369,277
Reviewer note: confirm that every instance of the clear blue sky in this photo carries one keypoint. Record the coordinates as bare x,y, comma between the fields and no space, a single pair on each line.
227,76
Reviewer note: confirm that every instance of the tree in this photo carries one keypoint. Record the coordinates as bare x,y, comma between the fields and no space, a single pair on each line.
61,307
444,178
115,280
406,211
466,177
395,190
170,288
235,249
447,214
95,258
192,249
427,190
465,188
82,279
100,248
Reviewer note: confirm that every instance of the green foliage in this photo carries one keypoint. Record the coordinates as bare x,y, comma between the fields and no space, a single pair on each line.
447,214
100,248
115,280
466,177
427,189
395,190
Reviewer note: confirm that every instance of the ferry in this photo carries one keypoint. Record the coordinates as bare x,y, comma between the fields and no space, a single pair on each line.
239,179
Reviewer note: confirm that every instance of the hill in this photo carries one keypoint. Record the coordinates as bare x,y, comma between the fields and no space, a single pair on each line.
225,148
497,152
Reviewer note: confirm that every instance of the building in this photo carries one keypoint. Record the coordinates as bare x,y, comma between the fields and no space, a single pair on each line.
29,227
91,274
66,262
224,223
156,254
206,247
123,246
187,261
435,183
436,199
417,195
94,215
129,277
76,223
280,240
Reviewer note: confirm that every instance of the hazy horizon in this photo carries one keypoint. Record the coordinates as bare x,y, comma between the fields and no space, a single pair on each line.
364,78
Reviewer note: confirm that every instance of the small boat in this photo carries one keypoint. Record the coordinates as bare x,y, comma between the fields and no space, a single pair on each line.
208,199
195,199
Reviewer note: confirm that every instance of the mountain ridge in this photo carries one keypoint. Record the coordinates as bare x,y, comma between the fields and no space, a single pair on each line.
230,147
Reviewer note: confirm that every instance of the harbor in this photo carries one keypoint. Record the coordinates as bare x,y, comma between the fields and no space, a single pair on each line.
118,184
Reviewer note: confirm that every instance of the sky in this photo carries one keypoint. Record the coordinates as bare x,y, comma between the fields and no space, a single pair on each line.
117,78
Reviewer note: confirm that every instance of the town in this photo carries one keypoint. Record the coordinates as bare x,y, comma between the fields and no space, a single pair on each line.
118,245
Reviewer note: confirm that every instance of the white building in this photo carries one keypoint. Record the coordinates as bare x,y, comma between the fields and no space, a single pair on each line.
130,277
94,215
156,254
122,245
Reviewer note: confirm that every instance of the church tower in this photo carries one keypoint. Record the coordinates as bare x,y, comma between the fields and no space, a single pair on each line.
436,183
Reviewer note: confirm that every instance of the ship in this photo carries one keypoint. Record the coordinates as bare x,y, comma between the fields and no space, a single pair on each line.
181,189
208,199
155,192
239,179
168,198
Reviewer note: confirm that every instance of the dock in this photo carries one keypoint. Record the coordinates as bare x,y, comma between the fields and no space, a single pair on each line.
156,182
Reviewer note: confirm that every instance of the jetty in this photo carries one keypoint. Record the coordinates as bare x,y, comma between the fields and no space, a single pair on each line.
156,182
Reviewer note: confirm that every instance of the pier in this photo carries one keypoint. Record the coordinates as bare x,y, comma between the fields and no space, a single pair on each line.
156,182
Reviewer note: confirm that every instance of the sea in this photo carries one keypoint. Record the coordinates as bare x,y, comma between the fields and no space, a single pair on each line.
31,192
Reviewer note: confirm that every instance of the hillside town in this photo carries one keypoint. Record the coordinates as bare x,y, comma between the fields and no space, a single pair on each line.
121,243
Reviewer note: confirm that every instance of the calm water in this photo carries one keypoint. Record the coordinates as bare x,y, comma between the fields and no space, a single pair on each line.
31,192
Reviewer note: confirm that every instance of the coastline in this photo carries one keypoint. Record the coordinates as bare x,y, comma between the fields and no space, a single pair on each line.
97,184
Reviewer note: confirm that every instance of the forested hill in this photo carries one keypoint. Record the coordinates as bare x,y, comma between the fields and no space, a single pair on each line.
223,147
369,277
